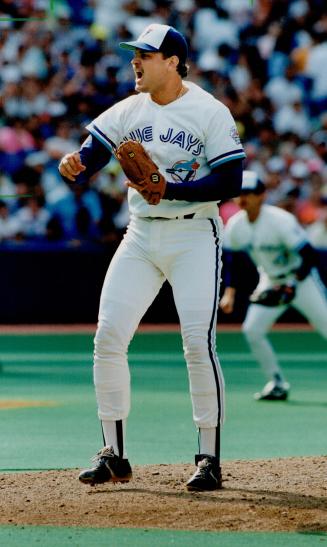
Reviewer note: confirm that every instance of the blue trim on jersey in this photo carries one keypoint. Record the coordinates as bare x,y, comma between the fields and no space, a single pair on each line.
216,158
236,157
212,327
102,137
233,156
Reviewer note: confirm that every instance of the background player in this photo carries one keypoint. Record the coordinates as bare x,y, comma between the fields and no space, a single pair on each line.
178,239
279,248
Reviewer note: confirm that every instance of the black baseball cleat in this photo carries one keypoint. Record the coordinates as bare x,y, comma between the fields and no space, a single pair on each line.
108,467
273,392
208,474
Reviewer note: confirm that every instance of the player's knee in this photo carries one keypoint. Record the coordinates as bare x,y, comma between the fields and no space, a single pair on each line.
109,340
252,332
195,348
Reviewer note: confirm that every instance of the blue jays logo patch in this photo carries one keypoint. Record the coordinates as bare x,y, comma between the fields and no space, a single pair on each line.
183,171
234,134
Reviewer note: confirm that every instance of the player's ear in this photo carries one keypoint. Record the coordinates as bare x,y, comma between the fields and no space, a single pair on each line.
173,62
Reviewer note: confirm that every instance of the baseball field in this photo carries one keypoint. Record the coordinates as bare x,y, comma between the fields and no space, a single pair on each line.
274,454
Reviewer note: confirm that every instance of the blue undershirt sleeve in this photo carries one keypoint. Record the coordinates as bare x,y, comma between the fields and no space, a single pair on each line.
232,267
309,260
224,182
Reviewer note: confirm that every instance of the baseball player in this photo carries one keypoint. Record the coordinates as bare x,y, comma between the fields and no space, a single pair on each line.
174,234
278,246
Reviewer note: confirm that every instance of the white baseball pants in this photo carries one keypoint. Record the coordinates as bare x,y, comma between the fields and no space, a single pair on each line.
310,301
186,252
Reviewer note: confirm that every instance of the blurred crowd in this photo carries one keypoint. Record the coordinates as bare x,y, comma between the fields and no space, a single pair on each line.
265,59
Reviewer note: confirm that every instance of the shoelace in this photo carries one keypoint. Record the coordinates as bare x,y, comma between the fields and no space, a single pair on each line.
203,465
106,452
205,468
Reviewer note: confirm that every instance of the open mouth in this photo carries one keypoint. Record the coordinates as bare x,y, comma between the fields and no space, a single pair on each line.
138,74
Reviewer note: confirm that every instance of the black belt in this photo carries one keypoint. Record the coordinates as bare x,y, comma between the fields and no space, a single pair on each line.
191,215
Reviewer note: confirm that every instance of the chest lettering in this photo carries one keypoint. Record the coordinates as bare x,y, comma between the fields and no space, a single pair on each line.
144,134
184,140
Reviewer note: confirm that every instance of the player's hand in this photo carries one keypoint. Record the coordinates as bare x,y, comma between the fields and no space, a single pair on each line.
227,301
71,166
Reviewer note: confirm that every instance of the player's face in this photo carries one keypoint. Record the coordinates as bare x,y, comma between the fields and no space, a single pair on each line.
151,71
250,202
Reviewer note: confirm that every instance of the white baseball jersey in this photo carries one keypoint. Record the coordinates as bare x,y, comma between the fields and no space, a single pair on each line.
185,147
271,241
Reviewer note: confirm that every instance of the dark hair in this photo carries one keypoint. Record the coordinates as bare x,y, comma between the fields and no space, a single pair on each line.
175,43
182,67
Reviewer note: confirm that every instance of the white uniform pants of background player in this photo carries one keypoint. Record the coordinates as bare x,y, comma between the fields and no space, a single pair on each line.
310,301
186,252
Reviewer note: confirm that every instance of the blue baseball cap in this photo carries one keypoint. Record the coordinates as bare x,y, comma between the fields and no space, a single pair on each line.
161,38
251,184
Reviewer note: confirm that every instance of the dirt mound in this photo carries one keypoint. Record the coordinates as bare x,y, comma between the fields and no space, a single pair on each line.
288,494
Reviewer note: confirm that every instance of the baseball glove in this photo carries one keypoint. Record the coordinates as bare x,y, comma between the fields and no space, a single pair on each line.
142,173
275,296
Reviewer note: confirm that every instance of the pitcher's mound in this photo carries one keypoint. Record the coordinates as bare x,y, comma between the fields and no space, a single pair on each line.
266,495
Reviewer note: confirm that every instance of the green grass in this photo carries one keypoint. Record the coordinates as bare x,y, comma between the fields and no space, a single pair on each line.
58,368
87,537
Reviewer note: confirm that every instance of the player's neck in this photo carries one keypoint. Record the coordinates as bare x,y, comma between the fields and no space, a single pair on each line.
170,93
253,214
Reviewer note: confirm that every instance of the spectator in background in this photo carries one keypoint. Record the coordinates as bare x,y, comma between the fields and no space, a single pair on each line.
46,163
110,183
78,215
32,219
264,61
240,75
9,227
284,89
15,143
7,188
310,210
300,179
317,231
316,70
292,118
44,168
275,175
294,187
319,141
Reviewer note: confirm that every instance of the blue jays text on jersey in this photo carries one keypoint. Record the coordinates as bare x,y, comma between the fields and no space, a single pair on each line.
184,140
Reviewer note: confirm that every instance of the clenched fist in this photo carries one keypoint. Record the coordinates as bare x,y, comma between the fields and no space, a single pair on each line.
71,166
